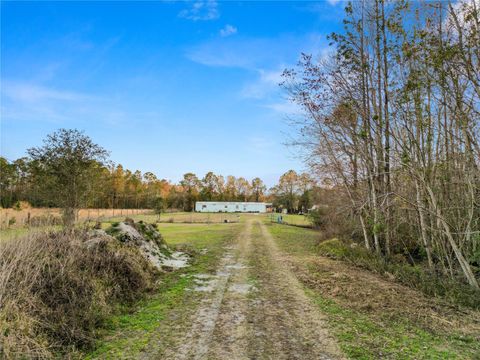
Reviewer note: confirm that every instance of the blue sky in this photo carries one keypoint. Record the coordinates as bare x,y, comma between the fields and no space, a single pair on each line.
168,87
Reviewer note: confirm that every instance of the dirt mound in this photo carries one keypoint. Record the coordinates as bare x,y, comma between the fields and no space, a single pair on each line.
150,243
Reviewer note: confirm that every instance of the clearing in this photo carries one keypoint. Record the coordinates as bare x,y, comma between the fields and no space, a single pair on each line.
256,290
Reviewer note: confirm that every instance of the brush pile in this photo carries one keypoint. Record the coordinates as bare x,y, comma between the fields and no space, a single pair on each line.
57,289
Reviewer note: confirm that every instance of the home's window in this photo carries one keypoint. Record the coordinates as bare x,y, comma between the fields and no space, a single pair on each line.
236,206
226,206
204,206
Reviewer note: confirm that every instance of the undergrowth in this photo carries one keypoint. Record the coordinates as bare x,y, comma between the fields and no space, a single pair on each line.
415,276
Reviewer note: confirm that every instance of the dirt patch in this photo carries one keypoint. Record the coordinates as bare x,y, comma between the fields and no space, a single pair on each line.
251,308
286,324
241,288
370,293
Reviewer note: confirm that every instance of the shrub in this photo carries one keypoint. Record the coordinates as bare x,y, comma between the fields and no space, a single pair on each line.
318,218
56,289
12,221
21,205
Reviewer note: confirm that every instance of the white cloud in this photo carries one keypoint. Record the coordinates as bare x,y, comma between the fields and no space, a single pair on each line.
285,107
255,53
202,10
22,101
228,30
265,59
31,93
333,2
267,82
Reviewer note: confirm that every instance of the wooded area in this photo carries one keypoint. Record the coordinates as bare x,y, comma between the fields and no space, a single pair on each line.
72,172
391,123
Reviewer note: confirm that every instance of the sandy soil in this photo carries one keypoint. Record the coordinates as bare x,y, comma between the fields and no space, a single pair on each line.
253,308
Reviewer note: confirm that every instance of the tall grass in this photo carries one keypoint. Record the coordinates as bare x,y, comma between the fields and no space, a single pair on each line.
56,290
13,218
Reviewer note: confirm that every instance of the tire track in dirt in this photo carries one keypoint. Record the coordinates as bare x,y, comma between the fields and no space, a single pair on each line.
284,322
216,330
236,320
229,339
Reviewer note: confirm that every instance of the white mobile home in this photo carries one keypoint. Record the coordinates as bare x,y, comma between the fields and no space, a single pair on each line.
232,206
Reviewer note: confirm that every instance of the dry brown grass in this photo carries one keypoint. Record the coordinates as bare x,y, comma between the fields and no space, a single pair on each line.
197,217
50,216
56,289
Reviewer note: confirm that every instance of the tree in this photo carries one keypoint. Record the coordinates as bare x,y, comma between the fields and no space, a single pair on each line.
288,186
258,189
392,118
242,189
209,186
64,166
190,184
7,180
230,189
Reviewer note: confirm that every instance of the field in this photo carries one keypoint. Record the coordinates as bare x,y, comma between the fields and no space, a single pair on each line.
11,218
291,219
367,315
105,216
186,217
259,289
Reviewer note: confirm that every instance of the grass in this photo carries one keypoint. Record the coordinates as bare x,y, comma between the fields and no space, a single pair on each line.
11,233
295,240
373,333
362,337
183,217
21,216
417,277
291,219
128,334
107,217
58,288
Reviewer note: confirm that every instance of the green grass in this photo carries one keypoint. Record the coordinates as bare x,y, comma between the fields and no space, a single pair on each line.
291,219
367,335
295,240
12,233
180,217
6,234
128,333
362,337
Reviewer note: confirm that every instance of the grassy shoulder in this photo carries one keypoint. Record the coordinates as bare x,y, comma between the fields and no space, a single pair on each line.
131,332
373,317
290,219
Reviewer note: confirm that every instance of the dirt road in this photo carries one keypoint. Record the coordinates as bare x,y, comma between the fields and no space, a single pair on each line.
253,308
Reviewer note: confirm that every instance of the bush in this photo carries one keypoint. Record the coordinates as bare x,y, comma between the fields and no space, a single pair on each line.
318,217
12,221
56,290
415,276
21,205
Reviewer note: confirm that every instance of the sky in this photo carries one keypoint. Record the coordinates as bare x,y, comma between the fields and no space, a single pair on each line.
165,86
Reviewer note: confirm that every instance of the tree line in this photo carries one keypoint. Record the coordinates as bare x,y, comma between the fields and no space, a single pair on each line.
391,120
72,172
